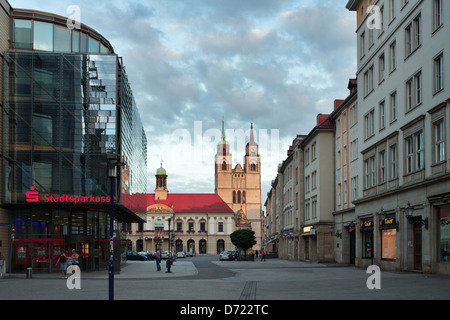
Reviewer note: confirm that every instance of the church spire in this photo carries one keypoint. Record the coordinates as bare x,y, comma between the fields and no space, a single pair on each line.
252,136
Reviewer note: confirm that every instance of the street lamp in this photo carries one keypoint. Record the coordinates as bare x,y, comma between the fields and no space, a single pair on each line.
170,251
113,163
112,174
409,215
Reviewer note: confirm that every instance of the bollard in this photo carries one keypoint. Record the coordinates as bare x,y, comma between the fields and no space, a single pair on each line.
29,273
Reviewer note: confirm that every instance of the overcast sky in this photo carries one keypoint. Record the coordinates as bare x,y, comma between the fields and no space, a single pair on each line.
192,63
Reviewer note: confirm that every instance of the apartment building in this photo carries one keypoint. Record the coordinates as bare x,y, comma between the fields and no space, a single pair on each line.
345,117
402,212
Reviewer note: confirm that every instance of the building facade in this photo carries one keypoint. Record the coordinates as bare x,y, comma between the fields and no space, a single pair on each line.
5,17
404,109
196,223
346,135
67,106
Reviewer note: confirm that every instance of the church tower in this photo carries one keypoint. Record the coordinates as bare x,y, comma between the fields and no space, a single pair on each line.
161,184
240,187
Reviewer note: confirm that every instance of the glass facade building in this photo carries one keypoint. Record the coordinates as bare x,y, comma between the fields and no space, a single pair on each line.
67,105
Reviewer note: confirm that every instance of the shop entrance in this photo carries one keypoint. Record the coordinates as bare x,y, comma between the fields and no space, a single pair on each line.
84,245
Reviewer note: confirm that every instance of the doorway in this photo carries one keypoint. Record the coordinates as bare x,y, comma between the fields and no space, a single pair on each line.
84,245
417,247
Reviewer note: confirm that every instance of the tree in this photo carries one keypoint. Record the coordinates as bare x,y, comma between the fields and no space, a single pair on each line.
243,238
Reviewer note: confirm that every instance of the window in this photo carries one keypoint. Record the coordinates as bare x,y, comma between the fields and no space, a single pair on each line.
354,150
414,152
439,142
382,159
368,81
94,45
63,41
43,36
392,10
393,106
220,226
313,180
437,14
339,195
354,186
314,208
393,162
22,34
369,124
362,45
439,73
381,68
409,154
413,36
393,56
75,41
382,113
414,91
369,173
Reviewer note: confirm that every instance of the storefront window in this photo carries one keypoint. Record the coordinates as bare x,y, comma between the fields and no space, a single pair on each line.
43,36
388,244
444,233
367,238
388,230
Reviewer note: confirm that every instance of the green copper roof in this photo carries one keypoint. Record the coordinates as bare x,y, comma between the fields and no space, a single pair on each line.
161,171
223,141
159,223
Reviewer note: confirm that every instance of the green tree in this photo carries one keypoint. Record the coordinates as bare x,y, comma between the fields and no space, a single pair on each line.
243,239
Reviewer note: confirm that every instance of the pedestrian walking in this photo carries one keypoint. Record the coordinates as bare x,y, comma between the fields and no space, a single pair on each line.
158,260
62,260
263,255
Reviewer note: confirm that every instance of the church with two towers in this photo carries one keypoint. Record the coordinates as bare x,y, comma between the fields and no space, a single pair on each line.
201,223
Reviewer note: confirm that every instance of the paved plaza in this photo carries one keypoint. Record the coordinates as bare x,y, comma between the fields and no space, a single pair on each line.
206,278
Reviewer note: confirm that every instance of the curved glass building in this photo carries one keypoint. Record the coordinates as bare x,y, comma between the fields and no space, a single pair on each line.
67,105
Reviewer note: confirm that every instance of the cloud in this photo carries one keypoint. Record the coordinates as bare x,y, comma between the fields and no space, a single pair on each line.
274,62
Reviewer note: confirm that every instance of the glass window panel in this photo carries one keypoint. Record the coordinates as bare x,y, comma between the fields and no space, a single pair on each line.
83,42
43,36
62,39
103,49
75,41
94,45
22,34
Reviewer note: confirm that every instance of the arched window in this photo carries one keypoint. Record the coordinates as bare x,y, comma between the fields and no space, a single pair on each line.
239,197
224,165
243,196
234,196
253,167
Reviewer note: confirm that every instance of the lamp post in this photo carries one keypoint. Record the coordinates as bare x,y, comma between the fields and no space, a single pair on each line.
409,215
170,251
159,230
112,174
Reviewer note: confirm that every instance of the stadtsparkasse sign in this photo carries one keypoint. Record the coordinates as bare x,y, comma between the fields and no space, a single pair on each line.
32,196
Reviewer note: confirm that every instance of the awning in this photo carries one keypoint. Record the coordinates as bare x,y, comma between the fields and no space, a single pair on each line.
121,213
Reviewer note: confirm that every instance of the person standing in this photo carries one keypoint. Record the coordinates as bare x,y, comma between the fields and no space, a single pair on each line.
263,255
62,259
158,260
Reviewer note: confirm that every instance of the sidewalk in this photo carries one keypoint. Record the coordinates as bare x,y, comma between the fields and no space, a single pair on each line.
132,270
